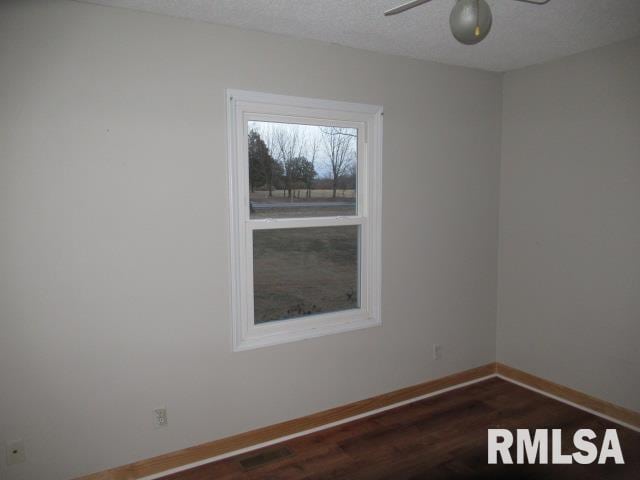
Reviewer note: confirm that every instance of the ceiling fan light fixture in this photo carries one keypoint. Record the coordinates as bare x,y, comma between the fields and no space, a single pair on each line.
470,21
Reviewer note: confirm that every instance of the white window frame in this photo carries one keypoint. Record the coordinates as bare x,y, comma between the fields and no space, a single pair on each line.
244,106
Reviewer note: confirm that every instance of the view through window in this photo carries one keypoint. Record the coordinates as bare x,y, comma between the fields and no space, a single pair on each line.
303,171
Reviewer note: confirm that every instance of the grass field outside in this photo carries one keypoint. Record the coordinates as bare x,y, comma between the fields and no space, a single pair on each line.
304,271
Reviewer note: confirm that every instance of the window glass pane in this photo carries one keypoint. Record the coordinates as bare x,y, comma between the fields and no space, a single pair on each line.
302,170
304,271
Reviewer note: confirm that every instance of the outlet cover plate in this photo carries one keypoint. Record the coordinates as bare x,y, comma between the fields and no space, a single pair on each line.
160,417
437,351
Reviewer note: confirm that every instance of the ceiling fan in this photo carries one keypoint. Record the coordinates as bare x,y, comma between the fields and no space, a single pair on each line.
470,20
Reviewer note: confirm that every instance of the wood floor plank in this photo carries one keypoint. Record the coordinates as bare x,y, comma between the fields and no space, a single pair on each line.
442,437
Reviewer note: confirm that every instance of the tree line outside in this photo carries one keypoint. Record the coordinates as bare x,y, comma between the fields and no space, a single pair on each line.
298,159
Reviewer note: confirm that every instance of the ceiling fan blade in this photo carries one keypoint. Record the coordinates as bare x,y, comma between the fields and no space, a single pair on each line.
535,2
405,7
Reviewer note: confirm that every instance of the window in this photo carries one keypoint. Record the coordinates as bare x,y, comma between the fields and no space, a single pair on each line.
305,187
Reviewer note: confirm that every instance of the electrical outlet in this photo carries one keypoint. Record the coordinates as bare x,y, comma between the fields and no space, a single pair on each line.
437,351
15,452
160,417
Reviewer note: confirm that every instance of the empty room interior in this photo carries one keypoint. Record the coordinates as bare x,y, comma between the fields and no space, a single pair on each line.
319,239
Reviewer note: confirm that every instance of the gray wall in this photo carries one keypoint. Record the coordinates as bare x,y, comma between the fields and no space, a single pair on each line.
569,294
114,243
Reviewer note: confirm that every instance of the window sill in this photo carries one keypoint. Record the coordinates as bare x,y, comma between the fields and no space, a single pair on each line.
258,337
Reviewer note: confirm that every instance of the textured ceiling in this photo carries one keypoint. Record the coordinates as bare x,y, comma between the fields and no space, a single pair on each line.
521,35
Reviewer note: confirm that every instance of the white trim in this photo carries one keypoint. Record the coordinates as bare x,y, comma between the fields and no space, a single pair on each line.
298,115
304,102
244,106
234,220
273,223
347,325
570,403
155,476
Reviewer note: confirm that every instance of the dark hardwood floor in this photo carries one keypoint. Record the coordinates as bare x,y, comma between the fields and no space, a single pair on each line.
440,437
